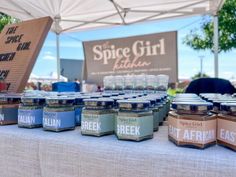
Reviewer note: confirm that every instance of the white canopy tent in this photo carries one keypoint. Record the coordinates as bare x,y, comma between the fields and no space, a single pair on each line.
76,15
47,79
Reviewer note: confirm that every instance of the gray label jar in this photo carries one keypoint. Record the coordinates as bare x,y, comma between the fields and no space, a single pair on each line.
59,114
98,117
155,110
134,120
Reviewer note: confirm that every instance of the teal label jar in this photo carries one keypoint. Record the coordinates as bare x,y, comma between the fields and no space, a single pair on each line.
162,113
155,110
98,117
134,120
156,118
59,114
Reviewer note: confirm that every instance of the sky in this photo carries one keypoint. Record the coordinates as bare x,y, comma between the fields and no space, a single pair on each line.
188,59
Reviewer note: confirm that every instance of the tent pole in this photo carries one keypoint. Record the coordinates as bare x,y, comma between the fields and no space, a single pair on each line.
216,45
58,56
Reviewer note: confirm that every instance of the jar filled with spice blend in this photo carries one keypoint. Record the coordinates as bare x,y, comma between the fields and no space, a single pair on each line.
59,114
98,117
134,120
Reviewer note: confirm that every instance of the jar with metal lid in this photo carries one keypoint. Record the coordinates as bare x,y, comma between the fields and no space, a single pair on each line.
134,120
129,81
59,114
199,108
151,84
140,83
119,83
30,112
226,126
161,110
95,96
191,124
109,83
9,104
155,110
98,117
79,105
162,82
116,98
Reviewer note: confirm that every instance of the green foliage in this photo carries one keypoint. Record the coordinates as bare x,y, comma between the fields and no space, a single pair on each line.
198,75
203,39
5,20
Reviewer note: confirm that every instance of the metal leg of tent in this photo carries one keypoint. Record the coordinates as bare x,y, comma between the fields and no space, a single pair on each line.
58,56
216,45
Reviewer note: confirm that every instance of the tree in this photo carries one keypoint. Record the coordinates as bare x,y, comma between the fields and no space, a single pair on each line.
199,75
203,39
5,20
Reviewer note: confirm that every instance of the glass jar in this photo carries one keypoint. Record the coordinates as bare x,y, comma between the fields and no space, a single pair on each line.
162,82
98,117
161,109
129,84
30,112
79,105
134,120
140,83
119,83
109,83
226,126
151,84
59,114
9,104
191,124
155,110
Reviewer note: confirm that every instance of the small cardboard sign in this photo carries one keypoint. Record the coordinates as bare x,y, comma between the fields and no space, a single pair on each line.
20,44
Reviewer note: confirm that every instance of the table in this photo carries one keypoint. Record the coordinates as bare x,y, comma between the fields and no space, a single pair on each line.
37,153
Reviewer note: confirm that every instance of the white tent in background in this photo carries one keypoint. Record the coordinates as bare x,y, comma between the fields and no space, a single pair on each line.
75,15
52,77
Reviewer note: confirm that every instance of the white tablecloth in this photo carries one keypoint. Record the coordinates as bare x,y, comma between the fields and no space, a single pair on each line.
37,153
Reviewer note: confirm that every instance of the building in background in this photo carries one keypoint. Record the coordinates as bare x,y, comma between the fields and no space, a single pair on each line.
72,69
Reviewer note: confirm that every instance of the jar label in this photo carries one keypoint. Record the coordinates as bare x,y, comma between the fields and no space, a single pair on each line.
97,123
30,117
58,120
192,131
226,131
134,127
8,114
78,112
1,117
156,119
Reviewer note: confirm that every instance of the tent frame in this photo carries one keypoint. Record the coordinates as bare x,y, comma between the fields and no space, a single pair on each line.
122,12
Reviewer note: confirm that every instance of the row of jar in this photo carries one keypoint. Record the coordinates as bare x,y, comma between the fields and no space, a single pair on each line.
97,116
193,124
136,82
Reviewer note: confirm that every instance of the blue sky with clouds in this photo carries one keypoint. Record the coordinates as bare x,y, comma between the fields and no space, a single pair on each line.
188,59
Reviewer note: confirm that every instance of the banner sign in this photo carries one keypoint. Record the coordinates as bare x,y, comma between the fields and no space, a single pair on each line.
20,44
149,54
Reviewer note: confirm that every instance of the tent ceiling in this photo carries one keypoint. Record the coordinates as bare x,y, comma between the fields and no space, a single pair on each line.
75,15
